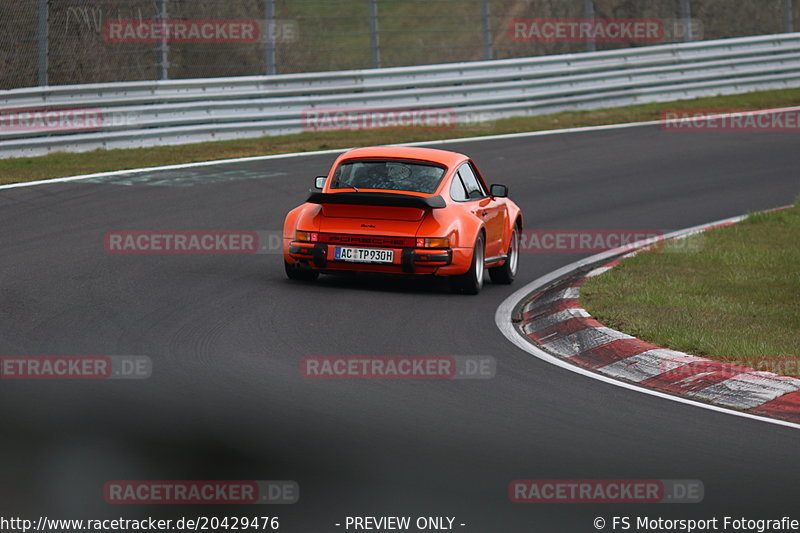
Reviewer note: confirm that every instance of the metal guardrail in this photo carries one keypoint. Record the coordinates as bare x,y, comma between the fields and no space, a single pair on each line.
141,114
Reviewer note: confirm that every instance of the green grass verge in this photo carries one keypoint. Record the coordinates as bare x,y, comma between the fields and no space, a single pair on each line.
735,297
70,164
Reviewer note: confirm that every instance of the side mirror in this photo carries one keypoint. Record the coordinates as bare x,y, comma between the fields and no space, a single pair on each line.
498,191
319,182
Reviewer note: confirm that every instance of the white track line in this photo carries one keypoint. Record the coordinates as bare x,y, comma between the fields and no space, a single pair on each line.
169,167
604,127
504,313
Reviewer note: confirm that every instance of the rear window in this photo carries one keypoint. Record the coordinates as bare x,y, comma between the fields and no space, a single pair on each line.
392,175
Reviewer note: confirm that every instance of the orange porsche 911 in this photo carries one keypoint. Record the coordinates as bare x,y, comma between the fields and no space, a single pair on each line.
399,210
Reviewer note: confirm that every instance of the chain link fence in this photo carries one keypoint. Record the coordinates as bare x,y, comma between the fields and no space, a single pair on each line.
59,42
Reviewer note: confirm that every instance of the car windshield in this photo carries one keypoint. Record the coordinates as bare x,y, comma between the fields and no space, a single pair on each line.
393,175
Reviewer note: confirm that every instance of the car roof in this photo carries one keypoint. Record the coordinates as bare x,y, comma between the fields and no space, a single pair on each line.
444,157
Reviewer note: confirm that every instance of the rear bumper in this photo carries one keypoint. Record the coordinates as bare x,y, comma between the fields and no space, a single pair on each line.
437,261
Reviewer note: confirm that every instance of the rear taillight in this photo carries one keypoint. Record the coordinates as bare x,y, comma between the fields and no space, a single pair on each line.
306,236
433,242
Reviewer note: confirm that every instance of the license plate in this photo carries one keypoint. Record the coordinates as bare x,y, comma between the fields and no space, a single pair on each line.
363,255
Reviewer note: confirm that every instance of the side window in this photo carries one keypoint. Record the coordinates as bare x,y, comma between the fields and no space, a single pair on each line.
471,183
457,191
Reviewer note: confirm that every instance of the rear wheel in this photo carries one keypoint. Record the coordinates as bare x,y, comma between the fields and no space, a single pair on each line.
505,274
300,271
472,281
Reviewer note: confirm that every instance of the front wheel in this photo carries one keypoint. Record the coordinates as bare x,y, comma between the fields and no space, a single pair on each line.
300,272
505,274
472,281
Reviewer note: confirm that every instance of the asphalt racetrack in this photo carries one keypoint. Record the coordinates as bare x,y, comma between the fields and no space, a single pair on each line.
226,333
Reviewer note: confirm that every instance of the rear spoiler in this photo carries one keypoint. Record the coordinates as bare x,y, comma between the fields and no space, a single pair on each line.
387,199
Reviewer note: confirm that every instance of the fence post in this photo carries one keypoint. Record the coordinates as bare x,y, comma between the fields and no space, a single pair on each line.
588,14
163,46
270,28
44,15
686,15
487,30
374,38
788,16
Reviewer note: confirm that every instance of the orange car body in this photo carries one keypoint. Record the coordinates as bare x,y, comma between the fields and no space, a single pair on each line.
431,231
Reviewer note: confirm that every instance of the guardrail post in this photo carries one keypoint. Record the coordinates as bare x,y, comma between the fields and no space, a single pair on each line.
487,30
588,14
374,38
270,29
44,15
163,46
788,16
686,15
